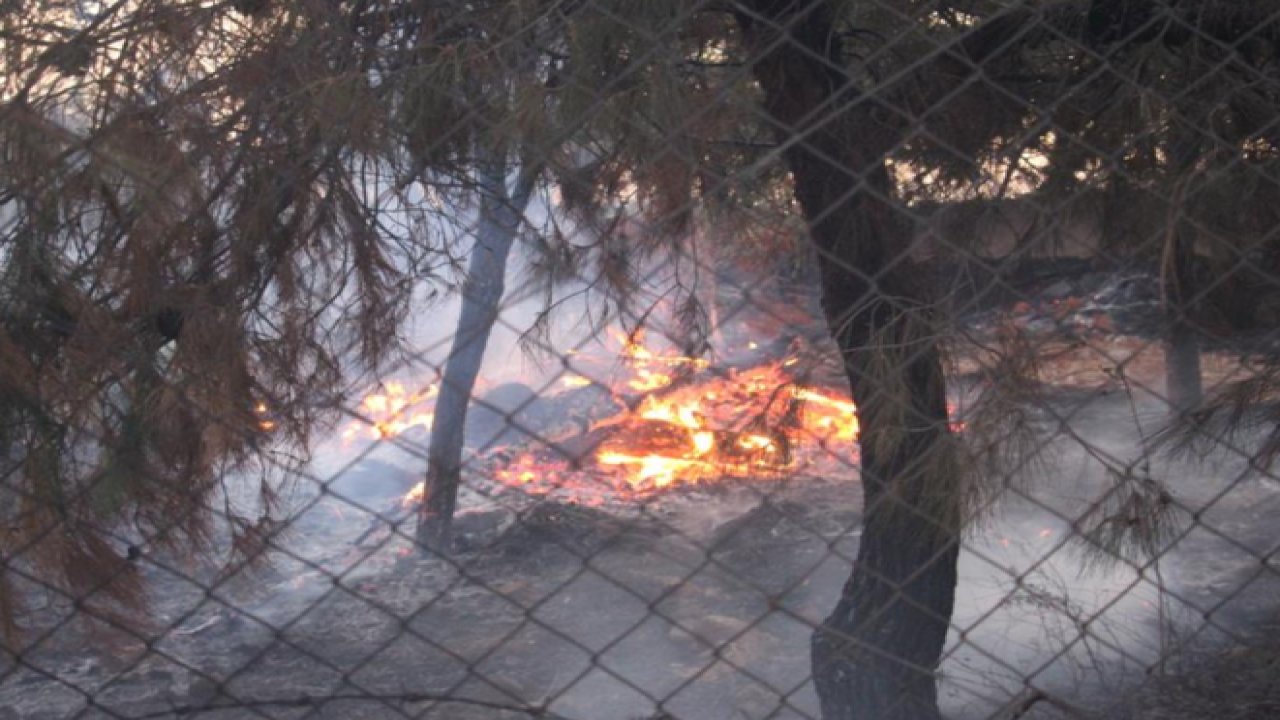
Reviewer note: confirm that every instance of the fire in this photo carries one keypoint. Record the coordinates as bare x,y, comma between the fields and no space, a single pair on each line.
752,423
652,371
265,424
682,422
392,412
654,470
414,496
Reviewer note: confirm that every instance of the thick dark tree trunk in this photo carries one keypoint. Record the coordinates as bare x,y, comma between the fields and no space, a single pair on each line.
875,657
1183,384
482,289
1182,367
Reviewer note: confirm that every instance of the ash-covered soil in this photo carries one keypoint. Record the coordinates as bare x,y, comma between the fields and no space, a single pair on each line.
592,614
698,603
1240,681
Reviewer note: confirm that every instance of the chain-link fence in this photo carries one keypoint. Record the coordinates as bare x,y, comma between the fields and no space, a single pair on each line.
607,360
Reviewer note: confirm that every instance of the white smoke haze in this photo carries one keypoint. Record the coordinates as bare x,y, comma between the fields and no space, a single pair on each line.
749,581
701,600
751,568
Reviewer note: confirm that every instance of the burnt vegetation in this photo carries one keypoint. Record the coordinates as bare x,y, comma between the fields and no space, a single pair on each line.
216,221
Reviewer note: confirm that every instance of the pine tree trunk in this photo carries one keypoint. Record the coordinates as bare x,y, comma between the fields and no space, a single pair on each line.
1182,367
482,290
875,657
1183,385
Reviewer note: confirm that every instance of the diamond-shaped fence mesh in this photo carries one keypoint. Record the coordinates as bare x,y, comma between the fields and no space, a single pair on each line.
874,359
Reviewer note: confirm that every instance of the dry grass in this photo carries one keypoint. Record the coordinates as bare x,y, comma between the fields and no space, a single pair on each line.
1236,683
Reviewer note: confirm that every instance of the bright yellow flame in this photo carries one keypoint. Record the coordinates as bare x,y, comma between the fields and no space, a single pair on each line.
709,411
755,442
391,428
655,470
751,423
831,413
647,380
704,442
414,496
651,369
685,414
392,412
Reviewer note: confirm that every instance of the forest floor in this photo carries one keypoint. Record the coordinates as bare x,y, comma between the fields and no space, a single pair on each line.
1233,682
699,603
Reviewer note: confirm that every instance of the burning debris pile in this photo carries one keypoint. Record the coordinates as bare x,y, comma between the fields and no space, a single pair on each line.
637,419
758,421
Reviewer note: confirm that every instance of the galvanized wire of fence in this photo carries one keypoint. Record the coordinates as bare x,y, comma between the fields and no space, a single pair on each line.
1034,243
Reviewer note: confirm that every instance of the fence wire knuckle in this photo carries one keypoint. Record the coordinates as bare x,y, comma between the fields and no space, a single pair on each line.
602,360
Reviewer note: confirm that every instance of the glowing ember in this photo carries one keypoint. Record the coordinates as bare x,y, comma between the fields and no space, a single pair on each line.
265,424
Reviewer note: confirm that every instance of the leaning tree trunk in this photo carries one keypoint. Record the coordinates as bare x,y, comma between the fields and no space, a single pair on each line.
499,222
875,657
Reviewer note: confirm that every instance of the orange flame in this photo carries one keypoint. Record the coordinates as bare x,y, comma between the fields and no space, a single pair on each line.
392,412
691,426
414,496
751,423
653,371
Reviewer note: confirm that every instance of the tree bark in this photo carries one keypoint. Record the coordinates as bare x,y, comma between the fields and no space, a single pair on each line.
875,657
1182,371
482,290
1183,385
